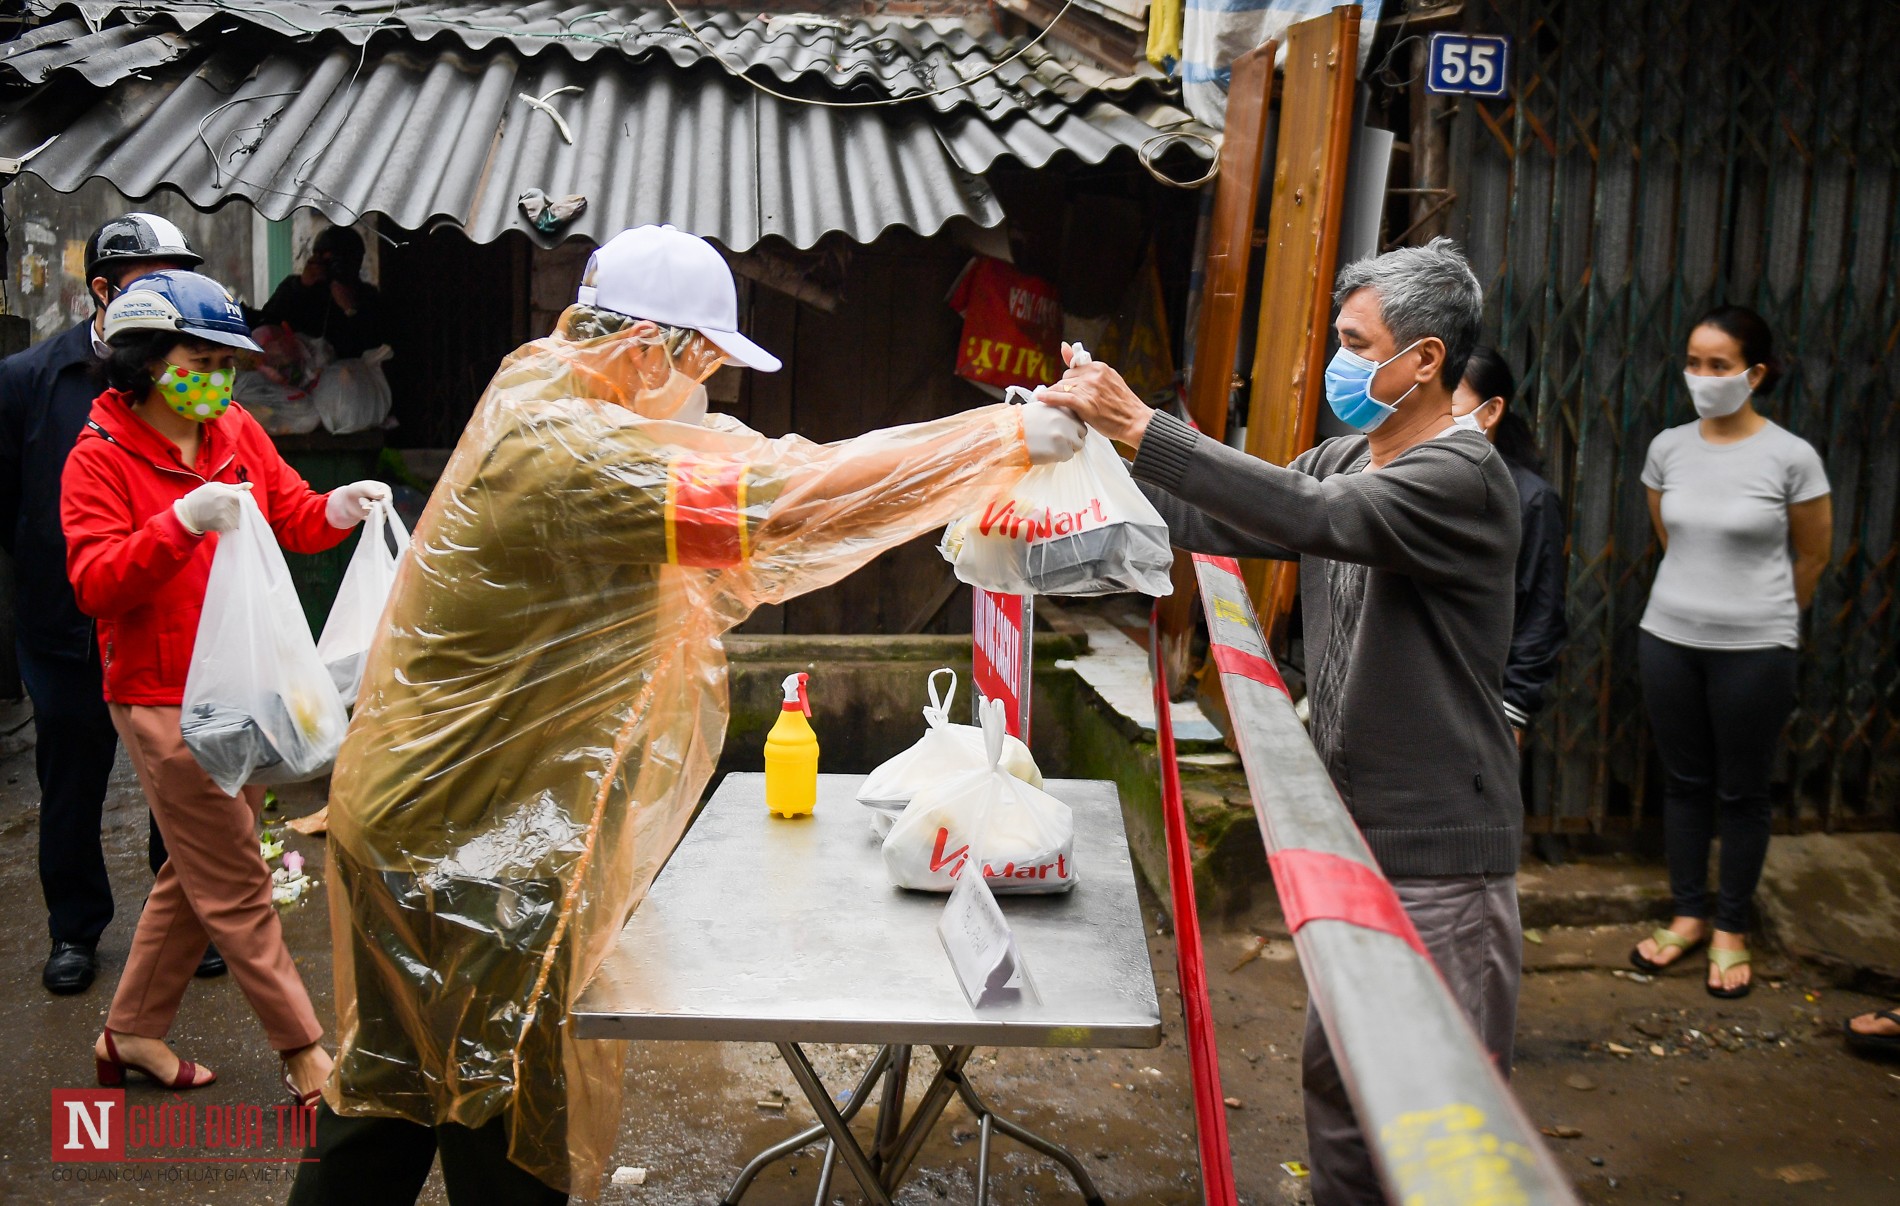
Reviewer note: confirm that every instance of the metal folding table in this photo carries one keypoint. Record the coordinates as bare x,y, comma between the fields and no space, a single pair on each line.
788,932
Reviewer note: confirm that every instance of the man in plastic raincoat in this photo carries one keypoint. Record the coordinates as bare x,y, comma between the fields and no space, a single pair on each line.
548,697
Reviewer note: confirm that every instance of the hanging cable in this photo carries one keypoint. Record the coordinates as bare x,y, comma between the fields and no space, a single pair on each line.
1149,153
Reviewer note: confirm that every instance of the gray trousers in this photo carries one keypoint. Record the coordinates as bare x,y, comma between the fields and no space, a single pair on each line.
1470,925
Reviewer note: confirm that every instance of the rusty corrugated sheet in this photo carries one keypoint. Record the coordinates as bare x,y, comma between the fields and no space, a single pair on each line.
417,115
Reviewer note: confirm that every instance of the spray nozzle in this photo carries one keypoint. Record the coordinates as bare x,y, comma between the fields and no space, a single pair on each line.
795,696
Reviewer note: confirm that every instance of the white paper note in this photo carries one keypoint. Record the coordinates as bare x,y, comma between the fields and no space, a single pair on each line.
978,939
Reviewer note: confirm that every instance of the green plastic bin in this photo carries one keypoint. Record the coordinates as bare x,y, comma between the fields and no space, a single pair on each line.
326,462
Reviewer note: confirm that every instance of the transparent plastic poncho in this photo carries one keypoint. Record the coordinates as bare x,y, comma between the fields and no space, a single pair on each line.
548,698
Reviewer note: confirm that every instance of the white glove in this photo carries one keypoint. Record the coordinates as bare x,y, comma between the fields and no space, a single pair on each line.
1052,433
352,504
212,507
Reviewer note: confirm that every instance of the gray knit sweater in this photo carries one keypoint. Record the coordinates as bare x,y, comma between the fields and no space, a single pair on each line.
1407,581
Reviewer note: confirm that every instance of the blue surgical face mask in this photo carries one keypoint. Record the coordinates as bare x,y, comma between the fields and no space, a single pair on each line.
1349,388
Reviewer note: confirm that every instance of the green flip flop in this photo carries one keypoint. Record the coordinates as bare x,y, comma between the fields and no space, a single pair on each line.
1723,960
1663,939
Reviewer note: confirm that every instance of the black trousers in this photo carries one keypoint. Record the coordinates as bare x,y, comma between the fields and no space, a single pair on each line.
73,758
384,1162
1717,716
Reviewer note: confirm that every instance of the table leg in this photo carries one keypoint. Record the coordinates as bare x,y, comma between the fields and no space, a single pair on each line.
1028,1139
824,1175
983,1161
806,1138
930,1107
834,1124
890,1113
898,1141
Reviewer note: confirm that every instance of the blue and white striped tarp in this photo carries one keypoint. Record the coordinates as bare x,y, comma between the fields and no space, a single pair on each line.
1216,32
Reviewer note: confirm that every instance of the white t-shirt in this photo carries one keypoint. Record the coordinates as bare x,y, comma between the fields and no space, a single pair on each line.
1727,580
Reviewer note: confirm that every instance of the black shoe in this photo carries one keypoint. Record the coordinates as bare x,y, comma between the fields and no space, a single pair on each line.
70,968
211,966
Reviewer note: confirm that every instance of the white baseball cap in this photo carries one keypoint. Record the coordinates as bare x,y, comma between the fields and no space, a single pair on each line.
667,276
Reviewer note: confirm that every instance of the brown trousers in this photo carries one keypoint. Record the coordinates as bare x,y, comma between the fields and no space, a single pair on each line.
214,887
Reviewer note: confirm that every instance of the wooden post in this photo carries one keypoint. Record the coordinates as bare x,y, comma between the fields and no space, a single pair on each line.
1211,386
1309,189
1230,241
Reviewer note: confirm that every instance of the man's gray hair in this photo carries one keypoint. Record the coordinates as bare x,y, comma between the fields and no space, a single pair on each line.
1422,291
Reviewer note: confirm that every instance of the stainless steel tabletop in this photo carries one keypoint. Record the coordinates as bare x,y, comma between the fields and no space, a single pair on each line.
767,930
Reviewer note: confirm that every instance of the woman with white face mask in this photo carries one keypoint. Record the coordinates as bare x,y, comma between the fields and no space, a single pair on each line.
1741,507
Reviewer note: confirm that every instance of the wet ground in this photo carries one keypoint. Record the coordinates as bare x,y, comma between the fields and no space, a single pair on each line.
1671,1095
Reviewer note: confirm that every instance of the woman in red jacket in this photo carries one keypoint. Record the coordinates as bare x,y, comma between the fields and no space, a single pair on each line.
159,469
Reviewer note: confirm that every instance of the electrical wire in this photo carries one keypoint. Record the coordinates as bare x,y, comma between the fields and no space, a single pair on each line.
217,171
299,178
1148,154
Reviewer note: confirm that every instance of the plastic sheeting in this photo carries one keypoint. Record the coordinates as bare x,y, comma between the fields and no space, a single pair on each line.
549,697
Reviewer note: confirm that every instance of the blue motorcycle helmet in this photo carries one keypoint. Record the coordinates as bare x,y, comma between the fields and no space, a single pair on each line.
189,303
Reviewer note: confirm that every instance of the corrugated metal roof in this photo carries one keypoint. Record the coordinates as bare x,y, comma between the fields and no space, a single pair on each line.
211,101
894,56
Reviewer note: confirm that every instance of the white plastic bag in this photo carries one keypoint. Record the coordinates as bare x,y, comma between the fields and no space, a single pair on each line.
358,609
944,749
353,395
279,409
259,707
1079,527
1025,836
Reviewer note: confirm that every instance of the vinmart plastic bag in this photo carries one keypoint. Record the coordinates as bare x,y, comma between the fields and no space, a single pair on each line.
1026,836
259,706
944,749
353,395
1079,527
358,609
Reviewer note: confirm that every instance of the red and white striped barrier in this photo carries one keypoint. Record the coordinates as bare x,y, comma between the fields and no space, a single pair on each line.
1443,1126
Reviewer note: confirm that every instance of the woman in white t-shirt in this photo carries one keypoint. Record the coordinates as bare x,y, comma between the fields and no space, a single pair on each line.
1741,507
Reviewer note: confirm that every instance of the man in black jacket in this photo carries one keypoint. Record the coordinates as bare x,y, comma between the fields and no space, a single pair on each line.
1407,538
46,393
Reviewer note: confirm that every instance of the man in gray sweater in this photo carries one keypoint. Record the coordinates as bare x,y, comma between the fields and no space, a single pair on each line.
1407,540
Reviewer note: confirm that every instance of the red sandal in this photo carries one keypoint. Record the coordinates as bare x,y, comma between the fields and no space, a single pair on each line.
306,1100
112,1068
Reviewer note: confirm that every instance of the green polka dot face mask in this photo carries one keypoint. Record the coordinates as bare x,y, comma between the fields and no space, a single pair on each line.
200,397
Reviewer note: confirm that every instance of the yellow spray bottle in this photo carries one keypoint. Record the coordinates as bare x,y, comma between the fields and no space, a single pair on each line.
791,755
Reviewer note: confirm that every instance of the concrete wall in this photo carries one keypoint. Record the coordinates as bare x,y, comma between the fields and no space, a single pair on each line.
868,694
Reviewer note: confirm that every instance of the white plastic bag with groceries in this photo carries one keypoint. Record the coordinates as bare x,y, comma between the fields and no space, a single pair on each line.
1077,527
1023,836
358,609
352,394
259,707
945,749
